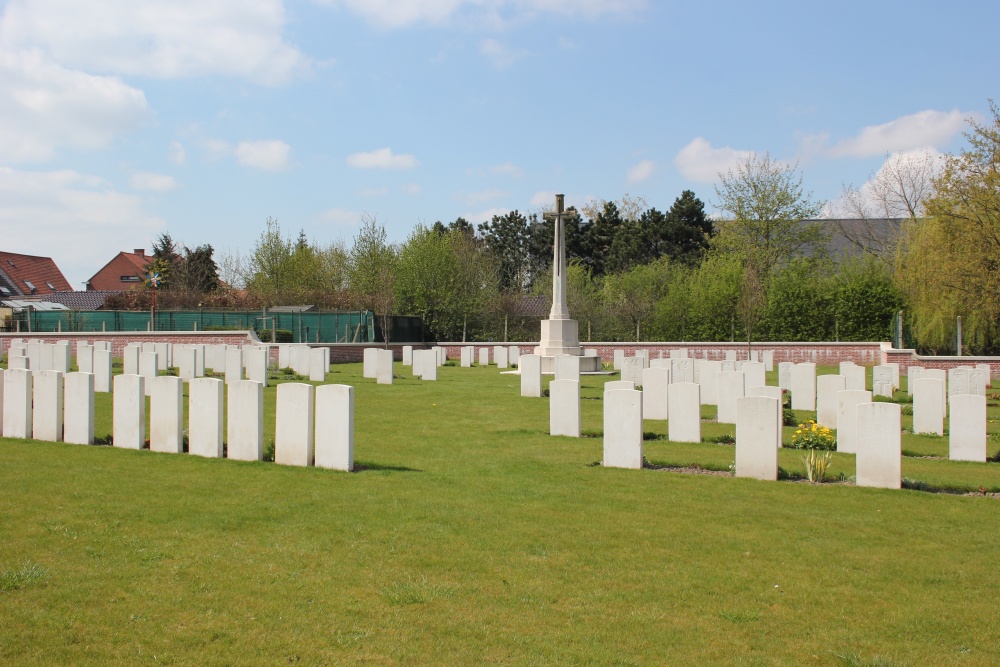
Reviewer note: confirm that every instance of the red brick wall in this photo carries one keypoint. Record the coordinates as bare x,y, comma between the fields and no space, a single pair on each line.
119,340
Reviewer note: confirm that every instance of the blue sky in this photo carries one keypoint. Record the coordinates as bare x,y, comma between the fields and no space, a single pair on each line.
121,120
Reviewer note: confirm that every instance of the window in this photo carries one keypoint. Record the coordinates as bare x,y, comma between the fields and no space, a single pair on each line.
4,291
30,286
130,279
50,286
11,263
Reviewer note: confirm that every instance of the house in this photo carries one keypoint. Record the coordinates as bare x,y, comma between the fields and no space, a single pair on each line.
30,275
126,271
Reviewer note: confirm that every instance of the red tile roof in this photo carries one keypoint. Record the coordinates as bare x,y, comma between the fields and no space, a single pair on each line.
21,272
131,265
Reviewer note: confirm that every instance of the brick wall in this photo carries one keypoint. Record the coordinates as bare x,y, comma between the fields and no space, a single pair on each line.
119,339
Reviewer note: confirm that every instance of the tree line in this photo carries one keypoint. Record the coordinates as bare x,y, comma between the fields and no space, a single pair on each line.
926,239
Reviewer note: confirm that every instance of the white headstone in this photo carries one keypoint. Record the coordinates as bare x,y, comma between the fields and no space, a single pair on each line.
130,359
465,356
500,355
317,369
513,354
730,355
567,367
102,371
215,357
767,390
768,358
928,407
632,370
967,428
882,374
655,398
186,358
256,364
205,417
753,375
129,412
383,367
847,418
564,408
978,381
854,377
803,387
408,355
531,375
368,368
245,421
199,360
827,387
684,412
426,360
681,370
47,412
785,375
16,397
85,358
895,375
986,368
163,356
731,387
166,414
758,433
234,365
708,378
78,402
623,429
484,356
913,373
879,456
680,353
335,426
295,423
618,384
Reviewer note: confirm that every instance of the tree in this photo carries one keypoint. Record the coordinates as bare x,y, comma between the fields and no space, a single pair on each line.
506,239
952,263
269,264
372,272
767,214
633,294
599,236
198,272
165,258
892,198
685,231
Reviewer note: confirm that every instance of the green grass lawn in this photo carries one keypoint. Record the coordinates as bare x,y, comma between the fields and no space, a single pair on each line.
469,536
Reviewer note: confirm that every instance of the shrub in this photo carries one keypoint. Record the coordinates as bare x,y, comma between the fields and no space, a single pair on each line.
788,417
813,436
282,336
817,464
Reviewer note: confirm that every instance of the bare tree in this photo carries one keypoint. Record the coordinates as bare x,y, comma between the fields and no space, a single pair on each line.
893,196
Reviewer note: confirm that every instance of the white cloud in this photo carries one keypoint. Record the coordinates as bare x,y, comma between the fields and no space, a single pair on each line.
477,198
270,155
925,128
382,158
157,38
77,219
177,154
499,54
700,161
339,216
47,107
903,179
543,198
641,171
402,13
485,216
373,192
152,182
507,169
412,189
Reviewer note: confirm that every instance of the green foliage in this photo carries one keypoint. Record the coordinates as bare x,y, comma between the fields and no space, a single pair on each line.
282,336
811,435
865,300
505,238
799,307
817,464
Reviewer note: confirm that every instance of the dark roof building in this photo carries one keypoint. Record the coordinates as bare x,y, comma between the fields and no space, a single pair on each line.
30,275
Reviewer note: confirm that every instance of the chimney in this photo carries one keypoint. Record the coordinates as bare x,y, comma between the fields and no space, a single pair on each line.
140,251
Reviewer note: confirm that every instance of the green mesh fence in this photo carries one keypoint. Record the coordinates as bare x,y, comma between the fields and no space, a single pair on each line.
312,327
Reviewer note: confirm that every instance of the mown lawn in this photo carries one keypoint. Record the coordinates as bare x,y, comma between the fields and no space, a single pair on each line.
469,536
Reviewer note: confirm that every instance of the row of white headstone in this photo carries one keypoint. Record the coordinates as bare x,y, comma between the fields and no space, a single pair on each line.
765,357
314,425
758,433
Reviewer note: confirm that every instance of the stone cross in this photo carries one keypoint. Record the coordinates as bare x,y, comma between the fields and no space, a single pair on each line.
560,310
